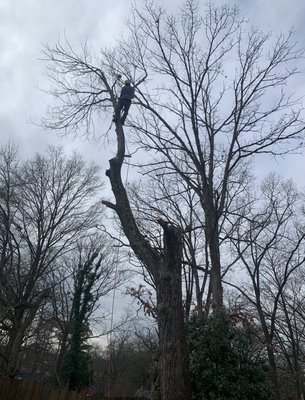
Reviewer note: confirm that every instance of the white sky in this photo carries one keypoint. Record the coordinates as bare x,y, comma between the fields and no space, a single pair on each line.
28,24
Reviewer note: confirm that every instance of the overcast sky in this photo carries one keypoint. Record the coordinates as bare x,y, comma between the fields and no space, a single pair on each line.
28,24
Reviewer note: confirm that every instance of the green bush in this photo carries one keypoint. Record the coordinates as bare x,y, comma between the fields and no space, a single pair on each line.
223,362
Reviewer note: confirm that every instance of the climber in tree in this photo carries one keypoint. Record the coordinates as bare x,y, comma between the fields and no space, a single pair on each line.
124,102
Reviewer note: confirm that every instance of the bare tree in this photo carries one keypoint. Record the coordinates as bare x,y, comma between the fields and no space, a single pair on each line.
48,203
132,364
170,308
289,332
204,119
270,244
169,197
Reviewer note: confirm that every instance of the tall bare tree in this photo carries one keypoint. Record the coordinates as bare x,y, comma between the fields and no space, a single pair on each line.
47,204
270,244
206,118
210,97
215,96
170,197
290,332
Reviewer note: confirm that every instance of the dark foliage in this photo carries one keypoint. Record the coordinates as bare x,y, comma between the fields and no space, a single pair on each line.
75,369
223,362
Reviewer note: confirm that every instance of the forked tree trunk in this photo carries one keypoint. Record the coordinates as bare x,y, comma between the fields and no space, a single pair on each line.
166,270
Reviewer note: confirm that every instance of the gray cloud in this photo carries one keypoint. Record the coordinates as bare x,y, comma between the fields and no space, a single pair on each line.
27,24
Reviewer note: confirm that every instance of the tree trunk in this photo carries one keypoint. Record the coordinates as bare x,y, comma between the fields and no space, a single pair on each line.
274,377
22,320
14,344
14,347
212,237
167,275
271,357
62,350
174,364
215,274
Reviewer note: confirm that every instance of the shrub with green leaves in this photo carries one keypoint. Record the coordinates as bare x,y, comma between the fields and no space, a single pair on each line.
223,362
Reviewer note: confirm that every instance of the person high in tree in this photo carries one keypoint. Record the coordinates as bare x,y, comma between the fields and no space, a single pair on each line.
124,102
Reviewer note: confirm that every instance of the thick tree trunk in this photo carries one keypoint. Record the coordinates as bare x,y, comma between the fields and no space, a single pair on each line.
22,320
212,237
14,347
174,364
14,344
148,255
215,275
167,275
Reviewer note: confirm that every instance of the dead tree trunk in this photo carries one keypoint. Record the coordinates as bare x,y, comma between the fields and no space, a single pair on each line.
174,363
166,271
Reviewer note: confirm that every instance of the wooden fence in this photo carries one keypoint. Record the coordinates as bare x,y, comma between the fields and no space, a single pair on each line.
15,389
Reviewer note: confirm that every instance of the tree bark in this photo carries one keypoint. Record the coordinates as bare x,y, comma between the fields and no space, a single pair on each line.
215,273
174,363
166,271
16,336
212,237
270,352
12,351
